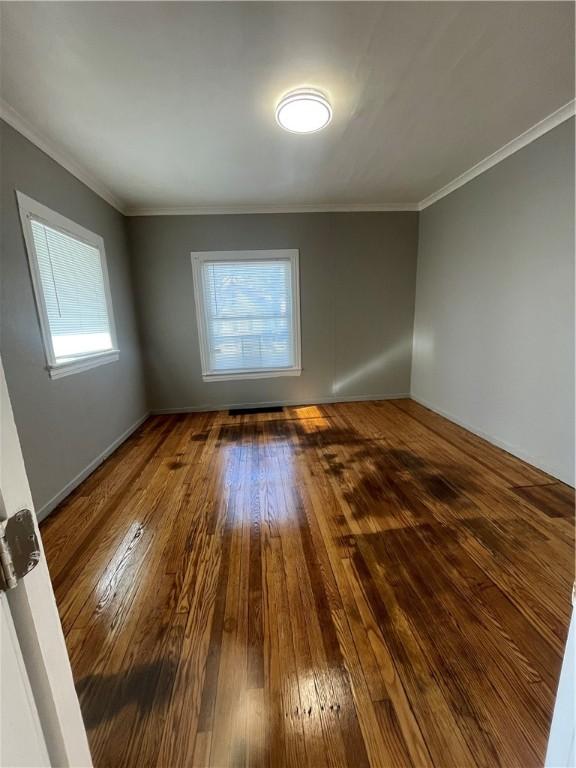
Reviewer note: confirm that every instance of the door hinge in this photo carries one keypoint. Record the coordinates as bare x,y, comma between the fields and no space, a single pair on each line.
19,548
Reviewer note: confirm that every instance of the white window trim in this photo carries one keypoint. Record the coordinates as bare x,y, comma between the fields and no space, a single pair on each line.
287,254
29,209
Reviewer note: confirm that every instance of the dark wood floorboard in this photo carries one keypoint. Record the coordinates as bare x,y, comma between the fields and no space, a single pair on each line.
361,584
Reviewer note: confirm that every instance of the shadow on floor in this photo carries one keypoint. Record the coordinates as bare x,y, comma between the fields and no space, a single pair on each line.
148,686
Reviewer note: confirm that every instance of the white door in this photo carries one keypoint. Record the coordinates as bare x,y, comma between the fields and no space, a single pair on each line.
40,723
562,743
21,739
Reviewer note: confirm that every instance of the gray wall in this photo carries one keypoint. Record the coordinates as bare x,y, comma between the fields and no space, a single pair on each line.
494,322
357,278
63,424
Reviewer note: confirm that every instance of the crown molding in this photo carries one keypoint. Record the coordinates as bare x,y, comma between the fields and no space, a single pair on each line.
205,210
533,133
530,135
20,124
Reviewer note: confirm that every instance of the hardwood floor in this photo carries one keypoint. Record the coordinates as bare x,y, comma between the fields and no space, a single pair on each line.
340,585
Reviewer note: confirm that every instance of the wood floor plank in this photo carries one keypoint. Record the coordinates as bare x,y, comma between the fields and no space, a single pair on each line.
503,678
554,499
497,461
396,643
353,584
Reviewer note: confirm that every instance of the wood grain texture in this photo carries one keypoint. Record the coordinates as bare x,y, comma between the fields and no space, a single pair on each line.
359,584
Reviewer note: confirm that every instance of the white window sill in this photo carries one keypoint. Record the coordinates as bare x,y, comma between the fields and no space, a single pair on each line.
79,364
236,375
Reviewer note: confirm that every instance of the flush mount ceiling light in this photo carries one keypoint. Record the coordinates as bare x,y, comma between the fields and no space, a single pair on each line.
303,111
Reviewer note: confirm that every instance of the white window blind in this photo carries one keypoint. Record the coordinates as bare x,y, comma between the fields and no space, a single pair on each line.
70,282
249,314
74,295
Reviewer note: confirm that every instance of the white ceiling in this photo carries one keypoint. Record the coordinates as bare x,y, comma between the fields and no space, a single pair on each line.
171,104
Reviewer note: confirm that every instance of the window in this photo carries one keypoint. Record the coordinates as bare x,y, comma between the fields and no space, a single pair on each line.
70,279
248,312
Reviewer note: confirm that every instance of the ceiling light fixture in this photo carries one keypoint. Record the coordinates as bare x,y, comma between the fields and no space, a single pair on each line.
303,111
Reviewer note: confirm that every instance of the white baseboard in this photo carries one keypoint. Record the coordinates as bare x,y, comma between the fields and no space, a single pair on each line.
272,403
508,447
45,510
